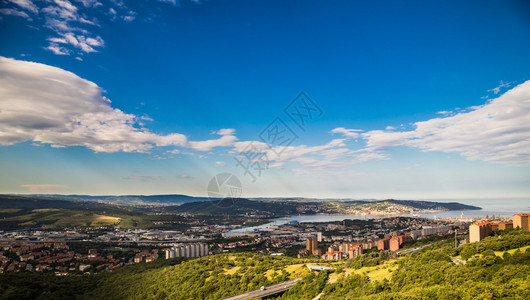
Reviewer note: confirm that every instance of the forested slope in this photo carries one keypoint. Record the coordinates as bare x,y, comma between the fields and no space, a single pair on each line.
434,273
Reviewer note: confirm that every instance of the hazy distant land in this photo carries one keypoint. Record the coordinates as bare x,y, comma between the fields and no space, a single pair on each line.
157,211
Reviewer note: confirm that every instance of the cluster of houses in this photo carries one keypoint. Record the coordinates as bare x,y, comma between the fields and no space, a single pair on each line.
482,229
58,257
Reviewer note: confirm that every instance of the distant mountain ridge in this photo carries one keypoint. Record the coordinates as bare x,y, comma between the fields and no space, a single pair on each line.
171,199
179,199
242,206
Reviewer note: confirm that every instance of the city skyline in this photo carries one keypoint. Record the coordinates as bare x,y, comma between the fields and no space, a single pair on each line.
157,97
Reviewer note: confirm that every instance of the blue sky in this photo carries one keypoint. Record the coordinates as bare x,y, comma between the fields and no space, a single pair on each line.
418,99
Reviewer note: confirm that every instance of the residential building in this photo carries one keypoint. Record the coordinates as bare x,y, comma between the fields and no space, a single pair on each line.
311,248
494,226
355,250
333,255
383,244
396,242
505,225
478,231
521,221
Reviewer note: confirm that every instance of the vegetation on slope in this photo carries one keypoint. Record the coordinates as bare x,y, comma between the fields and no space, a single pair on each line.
210,277
434,273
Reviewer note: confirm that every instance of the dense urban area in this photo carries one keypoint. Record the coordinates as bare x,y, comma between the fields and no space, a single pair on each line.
291,259
93,249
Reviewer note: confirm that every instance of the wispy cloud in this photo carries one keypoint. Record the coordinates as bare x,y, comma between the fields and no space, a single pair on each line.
333,155
25,4
141,178
497,89
498,131
36,188
349,133
73,25
15,12
33,109
173,2
71,31
227,139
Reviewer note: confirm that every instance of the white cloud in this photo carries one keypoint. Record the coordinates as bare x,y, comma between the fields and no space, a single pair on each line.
498,131
227,131
49,105
220,164
26,4
131,15
14,12
58,50
66,21
86,45
349,133
185,176
90,3
72,29
254,146
227,139
444,112
332,155
174,2
72,22
128,18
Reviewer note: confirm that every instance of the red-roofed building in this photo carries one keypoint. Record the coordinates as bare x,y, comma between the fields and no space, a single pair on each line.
478,231
505,225
332,255
383,244
355,250
397,241
521,221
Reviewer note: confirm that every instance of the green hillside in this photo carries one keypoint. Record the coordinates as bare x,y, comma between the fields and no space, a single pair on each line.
429,274
286,208
26,212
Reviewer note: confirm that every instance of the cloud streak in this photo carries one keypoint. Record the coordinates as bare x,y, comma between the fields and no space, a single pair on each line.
35,188
497,132
141,178
32,109
48,105
72,31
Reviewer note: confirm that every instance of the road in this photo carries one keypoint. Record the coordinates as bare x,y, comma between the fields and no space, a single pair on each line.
407,251
268,291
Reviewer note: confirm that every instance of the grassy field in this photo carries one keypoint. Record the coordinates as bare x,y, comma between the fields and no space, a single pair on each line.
376,272
9,210
232,271
501,253
295,271
53,218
